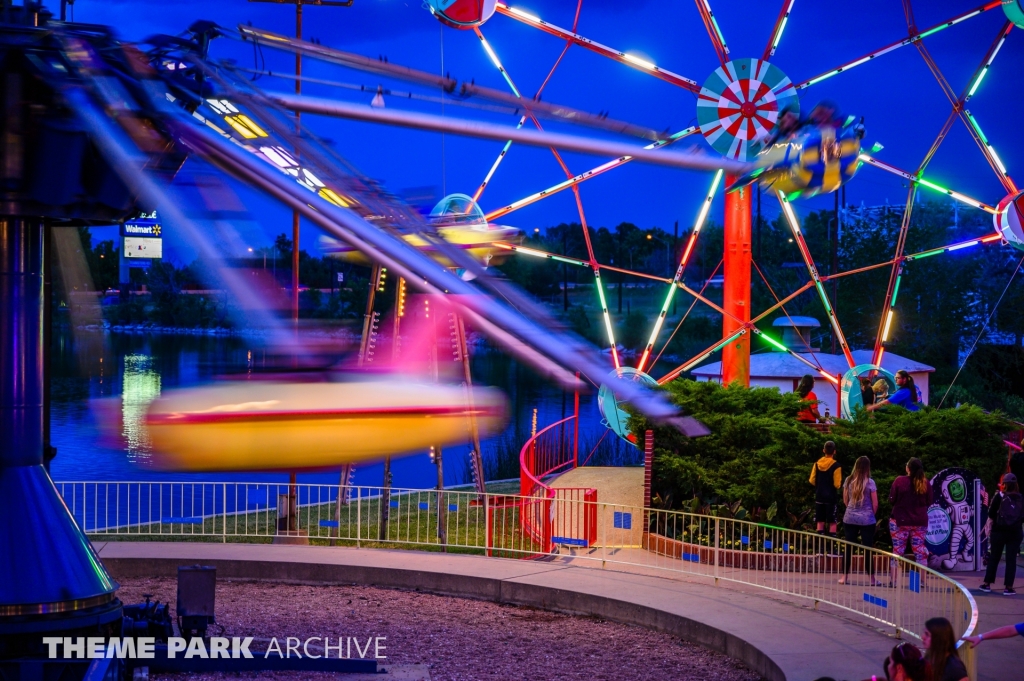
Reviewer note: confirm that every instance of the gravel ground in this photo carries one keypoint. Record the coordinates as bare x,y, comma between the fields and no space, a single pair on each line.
459,639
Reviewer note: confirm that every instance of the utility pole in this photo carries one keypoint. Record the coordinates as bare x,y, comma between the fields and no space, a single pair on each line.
675,254
565,269
292,501
298,90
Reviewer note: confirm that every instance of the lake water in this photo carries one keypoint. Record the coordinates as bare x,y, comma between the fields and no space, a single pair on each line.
89,366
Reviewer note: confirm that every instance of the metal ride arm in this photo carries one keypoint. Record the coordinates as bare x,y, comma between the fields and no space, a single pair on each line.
900,43
129,163
787,209
882,165
969,121
701,217
885,322
576,194
552,353
610,52
780,26
584,176
420,121
447,84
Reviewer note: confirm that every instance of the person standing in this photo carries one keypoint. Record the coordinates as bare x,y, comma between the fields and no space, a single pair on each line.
940,644
826,476
1007,514
861,498
805,389
910,496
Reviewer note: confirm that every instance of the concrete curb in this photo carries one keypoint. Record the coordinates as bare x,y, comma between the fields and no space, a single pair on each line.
767,636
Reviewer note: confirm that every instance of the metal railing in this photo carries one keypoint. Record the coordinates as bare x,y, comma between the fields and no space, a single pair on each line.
884,588
551,515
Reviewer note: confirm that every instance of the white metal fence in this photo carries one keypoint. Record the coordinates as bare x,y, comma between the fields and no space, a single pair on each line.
888,589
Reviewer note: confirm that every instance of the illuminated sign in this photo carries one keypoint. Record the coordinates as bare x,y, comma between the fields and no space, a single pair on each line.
141,239
141,247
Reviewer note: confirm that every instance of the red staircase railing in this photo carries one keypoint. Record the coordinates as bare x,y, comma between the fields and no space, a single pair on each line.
555,515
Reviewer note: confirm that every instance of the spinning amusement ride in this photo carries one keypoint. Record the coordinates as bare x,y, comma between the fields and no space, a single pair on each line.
738,107
97,129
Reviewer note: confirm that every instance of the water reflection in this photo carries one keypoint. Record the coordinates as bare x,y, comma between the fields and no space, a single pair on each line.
88,366
140,385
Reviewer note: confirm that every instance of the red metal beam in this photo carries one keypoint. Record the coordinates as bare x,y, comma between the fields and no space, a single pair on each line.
780,26
635,62
736,287
909,40
714,32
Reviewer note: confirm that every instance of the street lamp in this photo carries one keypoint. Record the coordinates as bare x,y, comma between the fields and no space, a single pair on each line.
668,258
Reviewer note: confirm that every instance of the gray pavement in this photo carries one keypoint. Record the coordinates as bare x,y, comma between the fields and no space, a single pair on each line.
778,639
998,660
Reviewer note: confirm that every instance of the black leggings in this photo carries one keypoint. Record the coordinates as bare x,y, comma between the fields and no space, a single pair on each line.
1000,541
867,538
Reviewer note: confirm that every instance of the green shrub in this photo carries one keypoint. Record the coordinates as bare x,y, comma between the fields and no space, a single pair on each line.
760,456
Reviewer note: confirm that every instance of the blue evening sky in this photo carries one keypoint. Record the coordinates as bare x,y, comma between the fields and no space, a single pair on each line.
903,105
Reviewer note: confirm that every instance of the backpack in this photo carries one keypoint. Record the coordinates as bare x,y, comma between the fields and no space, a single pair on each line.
1011,510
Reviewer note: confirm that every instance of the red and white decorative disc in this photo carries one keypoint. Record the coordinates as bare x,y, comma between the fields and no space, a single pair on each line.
739,106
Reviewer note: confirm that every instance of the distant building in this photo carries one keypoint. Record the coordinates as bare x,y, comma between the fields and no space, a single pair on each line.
781,370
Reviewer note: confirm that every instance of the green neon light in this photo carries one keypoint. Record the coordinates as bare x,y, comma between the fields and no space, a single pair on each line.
934,30
977,128
600,291
928,254
823,77
570,261
774,342
895,291
778,36
932,185
824,298
977,82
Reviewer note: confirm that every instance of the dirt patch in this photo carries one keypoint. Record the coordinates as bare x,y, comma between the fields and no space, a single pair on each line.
460,639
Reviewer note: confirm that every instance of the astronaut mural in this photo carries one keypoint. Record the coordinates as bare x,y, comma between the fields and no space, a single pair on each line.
954,537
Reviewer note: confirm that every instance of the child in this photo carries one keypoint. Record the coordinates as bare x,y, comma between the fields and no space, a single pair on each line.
827,477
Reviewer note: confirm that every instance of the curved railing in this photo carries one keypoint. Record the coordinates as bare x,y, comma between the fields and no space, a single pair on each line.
735,553
545,454
555,515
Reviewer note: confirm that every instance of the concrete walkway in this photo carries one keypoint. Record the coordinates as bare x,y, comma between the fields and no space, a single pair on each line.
997,660
779,640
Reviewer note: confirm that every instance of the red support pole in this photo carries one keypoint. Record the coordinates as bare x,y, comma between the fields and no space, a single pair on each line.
576,426
736,288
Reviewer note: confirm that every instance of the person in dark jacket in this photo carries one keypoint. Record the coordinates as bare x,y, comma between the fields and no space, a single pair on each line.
910,496
1006,533
827,478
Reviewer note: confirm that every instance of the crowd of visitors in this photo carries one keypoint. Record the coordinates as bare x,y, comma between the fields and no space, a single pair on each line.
910,496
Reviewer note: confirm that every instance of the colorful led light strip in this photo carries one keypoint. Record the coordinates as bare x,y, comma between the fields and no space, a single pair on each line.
714,23
607,317
881,165
497,162
793,354
780,29
701,217
888,323
694,362
896,289
497,62
787,209
593,172
988,146
901,43
594,46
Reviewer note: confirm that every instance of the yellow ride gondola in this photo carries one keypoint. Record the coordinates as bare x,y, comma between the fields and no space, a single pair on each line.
277,425
459,221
